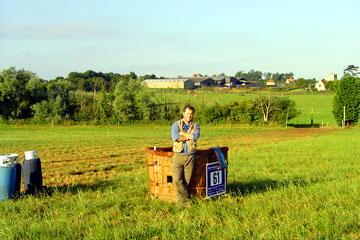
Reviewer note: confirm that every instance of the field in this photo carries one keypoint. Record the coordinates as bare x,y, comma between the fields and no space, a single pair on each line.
312,106
289,184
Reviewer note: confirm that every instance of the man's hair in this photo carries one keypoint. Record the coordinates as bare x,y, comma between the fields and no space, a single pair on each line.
189,107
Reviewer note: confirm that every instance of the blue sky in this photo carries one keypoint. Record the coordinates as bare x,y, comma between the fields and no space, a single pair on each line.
176,38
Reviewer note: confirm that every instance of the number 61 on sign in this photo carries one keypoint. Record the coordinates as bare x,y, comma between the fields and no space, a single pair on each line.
215,180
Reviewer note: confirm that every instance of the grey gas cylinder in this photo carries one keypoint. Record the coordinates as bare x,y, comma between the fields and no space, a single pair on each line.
31,169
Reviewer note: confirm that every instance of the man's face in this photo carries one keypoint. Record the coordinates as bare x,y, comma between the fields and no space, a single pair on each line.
188,115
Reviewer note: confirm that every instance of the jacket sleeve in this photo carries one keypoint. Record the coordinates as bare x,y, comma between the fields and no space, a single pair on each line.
197,133
175,132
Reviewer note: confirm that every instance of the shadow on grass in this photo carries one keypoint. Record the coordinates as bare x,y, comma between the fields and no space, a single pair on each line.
316,125
74,189
247,188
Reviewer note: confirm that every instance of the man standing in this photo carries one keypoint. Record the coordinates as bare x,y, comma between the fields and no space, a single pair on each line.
184,133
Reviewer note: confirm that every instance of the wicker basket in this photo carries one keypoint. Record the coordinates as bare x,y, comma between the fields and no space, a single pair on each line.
159,170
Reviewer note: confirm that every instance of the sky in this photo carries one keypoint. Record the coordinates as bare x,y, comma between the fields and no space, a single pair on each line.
309,38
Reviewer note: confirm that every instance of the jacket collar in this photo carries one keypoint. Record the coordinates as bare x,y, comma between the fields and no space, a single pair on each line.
183,122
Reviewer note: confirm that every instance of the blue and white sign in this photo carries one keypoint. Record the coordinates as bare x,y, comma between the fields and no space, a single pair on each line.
215,180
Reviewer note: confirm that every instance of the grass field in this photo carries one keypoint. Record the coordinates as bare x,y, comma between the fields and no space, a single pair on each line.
312,106
291,184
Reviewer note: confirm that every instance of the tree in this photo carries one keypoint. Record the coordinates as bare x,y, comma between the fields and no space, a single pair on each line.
255,76
19,89
50,110
57,106
276,109
265,104
267,76
347,100
351,70
300,83
104,107
241,74
132,99
304,83
332,85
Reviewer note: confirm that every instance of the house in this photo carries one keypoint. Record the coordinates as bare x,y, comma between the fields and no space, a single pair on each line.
290,81
183,83
270,82
320,85
331,77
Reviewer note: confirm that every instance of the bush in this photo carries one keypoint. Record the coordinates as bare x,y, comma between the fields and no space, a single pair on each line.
348,95
261,110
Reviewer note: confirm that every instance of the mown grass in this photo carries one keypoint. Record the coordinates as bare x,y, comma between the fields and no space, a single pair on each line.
292,184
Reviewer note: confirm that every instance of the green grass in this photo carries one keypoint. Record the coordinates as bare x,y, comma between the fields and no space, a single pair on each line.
293,184
312,106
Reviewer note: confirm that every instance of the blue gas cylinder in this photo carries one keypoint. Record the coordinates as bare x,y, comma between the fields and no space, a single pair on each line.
31,169
17,165
7,178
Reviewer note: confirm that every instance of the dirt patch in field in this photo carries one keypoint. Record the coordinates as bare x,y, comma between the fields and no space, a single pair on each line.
202,97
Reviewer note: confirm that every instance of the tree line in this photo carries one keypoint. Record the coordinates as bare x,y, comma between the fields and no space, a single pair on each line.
112,98
81,97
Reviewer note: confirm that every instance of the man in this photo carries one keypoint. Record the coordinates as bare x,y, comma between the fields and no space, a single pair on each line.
184,133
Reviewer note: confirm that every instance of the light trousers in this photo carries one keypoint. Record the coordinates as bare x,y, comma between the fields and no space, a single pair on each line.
182,167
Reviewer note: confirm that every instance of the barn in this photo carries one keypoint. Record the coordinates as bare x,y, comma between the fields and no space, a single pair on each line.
183,83
203,82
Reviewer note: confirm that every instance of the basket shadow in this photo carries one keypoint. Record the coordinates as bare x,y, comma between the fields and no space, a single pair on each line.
259,186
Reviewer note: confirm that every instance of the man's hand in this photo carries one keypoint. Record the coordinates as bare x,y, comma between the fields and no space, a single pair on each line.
185,136
189,136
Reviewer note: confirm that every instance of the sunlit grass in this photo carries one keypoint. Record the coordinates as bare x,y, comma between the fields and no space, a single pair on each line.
291,184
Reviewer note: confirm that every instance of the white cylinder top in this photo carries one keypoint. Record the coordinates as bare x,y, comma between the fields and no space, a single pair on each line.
31,155
13,156
6,161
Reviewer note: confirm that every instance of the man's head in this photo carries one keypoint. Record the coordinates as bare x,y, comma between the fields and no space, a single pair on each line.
188,113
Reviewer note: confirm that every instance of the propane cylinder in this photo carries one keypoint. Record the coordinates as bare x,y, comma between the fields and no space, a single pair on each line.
7,178
31,169
17,165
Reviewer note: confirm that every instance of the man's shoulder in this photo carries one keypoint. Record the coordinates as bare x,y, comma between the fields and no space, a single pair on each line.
195,123
176,123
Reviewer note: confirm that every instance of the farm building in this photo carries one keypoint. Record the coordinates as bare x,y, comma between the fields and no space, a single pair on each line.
232,82
331,77
270,82
219,81
320,85
183,83
290,81
203,82
244,83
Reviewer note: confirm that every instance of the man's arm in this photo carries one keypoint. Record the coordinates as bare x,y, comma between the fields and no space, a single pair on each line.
182,138
176,135
186,136
195,133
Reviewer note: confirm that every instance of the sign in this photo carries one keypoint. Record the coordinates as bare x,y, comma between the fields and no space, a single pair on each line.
215,180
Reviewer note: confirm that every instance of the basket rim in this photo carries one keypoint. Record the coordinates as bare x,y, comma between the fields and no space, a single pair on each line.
167,151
